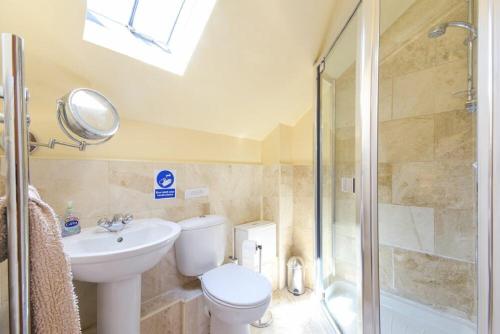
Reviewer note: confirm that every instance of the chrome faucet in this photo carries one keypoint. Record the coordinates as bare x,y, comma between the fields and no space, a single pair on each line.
117,223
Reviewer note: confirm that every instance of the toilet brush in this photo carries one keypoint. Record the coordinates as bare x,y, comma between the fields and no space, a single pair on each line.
267,318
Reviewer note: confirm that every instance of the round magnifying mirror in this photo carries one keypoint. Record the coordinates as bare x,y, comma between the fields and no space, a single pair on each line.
88,114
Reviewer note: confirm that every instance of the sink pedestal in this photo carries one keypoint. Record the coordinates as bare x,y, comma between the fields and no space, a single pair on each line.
119,306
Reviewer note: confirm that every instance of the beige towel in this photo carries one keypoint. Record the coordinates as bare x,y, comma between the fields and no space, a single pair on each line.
54,305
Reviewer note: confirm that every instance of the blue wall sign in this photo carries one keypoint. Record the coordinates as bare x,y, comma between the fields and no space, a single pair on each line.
164,184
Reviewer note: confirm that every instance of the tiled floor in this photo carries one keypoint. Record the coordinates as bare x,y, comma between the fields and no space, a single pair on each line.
295,315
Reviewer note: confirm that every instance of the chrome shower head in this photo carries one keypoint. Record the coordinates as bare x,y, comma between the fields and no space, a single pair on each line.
440,29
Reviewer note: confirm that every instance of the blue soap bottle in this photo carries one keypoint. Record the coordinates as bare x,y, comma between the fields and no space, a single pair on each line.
71,223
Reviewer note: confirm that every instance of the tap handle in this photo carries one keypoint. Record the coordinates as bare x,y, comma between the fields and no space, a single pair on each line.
127,218
118,218
104,222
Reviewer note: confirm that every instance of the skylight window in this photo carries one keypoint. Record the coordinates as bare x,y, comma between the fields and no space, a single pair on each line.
162,33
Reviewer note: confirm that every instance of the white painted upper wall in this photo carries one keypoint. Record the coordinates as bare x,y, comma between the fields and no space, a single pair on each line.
251,70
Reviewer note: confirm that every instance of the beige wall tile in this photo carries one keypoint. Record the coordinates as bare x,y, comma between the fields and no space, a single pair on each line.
84,182
195,317
386,268
303,218
190,208
168,321
385,96
441,283
407,227
303,181
270,183
409,139
414,94
414,54
430,90
444,184
384,183
162,278
456,233
455,135
246,182
270,209
450,79
286,181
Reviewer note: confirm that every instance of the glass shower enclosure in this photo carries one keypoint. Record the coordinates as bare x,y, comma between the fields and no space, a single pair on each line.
401,244
340,244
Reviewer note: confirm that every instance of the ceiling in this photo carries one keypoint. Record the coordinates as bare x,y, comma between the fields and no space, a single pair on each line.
252,68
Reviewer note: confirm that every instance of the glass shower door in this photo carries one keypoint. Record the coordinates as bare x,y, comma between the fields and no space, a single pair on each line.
339,145
426,167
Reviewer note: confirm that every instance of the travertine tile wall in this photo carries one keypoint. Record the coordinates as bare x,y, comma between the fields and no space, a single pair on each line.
102,188
303,219
426,153
288,200
240,192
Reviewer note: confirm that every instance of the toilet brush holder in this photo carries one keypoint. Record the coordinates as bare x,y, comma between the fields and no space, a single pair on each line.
267,318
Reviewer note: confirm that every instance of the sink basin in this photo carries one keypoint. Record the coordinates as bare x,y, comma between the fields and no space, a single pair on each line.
99,256
116,260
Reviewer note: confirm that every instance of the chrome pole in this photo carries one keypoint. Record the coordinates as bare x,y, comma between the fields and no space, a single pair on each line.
16,154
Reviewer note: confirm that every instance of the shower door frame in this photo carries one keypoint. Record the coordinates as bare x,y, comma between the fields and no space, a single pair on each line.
488,121
366,113
488,158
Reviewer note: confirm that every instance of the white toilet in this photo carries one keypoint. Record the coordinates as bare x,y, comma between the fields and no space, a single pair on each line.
236,296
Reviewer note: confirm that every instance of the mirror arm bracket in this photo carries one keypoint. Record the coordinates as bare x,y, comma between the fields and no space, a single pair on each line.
81,145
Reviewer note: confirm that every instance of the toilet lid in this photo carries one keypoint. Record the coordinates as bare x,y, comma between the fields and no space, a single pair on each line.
235,285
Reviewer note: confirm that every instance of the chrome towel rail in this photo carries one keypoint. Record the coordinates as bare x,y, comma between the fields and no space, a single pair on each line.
16,187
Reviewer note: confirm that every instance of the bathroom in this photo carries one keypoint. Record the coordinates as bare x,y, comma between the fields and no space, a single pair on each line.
232,167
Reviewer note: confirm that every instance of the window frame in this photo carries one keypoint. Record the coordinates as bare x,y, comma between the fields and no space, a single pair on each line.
110,31
142,36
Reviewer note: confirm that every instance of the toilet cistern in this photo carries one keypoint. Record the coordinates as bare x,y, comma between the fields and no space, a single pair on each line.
235,296
117,223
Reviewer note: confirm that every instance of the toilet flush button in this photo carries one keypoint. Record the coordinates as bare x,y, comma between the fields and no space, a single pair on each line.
196,192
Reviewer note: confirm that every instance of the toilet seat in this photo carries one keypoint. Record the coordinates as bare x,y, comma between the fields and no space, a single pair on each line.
236,286
225,304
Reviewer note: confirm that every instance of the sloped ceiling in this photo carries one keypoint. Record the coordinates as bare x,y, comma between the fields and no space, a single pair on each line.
252,68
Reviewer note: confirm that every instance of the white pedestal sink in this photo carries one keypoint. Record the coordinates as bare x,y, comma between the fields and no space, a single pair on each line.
116,260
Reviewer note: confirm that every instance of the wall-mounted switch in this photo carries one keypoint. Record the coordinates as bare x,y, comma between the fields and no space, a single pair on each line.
196,192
